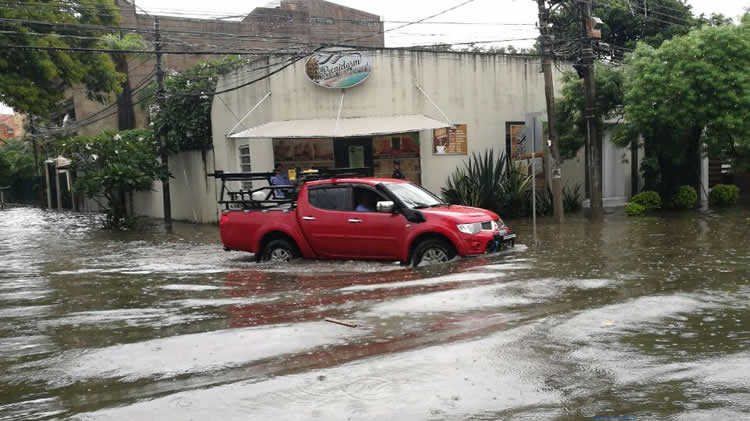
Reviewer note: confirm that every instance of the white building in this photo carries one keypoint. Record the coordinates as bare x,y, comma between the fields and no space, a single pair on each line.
402,110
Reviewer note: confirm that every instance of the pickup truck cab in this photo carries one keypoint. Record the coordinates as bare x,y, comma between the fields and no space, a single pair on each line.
362,218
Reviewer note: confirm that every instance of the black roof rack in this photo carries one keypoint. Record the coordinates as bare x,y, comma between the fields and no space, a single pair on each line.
274,196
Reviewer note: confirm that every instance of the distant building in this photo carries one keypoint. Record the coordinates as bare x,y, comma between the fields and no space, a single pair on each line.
11,125
288,24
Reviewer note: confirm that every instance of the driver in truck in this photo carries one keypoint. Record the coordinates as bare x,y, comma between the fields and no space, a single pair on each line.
365,201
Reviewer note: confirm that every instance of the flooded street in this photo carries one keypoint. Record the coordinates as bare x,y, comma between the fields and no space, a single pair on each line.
644,318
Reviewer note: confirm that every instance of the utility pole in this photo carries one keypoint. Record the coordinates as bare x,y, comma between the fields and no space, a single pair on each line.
164,152
594,148
549,92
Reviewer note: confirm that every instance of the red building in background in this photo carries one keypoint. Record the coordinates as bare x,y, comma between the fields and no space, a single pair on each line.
10,126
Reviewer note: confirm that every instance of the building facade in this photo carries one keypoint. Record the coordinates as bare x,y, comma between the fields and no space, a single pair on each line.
430,110
11,125
285,25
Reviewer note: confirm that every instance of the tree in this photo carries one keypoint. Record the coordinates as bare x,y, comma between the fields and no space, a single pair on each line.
651,21
33,80
125,111
570,107
112,165
16,164
693,89
184,116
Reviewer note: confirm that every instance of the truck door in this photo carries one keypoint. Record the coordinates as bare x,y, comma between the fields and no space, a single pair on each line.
323,218
374,235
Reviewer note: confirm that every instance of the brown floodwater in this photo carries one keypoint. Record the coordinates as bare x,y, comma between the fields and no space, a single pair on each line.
644,319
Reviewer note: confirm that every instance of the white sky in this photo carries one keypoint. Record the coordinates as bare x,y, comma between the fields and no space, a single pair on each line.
480,11
4,109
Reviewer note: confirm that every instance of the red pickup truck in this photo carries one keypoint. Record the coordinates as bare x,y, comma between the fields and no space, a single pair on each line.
355,218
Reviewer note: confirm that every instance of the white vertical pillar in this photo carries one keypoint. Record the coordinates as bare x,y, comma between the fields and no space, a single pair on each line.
704,177
57,184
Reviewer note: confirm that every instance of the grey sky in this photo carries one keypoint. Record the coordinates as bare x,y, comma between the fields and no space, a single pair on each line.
480,11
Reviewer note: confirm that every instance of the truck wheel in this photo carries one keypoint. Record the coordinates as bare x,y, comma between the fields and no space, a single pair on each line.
432,251
279,251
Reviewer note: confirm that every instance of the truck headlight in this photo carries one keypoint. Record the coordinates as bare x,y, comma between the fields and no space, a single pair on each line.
470,228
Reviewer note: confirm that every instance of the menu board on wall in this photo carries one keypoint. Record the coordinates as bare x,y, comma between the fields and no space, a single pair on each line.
518,144
450,141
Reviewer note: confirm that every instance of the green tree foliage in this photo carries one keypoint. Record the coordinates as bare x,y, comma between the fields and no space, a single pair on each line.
125,111
33,81
184,116
692,89
113,164
609,98
625,25
16,164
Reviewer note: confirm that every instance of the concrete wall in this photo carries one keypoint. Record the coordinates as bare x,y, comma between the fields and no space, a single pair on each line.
192,192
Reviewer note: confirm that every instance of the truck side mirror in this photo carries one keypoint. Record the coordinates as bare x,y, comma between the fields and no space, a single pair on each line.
385,207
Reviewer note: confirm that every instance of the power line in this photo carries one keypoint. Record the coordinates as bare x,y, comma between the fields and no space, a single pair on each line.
412,23
650,17
114,50
288,18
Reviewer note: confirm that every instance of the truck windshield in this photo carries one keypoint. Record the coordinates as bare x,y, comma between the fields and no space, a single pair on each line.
414,196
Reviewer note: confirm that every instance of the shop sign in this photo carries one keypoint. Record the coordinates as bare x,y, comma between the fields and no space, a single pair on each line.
450,141
338,68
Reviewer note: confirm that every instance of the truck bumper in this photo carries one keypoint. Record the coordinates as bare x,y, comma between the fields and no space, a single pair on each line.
484,242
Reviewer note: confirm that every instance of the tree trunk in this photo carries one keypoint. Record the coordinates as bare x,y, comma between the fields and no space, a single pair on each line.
125,112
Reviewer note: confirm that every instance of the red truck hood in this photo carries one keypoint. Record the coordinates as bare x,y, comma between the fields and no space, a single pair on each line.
460,214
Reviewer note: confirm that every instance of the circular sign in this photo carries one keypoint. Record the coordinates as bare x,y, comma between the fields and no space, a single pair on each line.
338,68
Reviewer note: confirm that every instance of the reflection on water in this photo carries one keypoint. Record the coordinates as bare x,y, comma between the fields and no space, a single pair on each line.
643,318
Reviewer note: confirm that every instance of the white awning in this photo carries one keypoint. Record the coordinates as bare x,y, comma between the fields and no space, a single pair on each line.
345,127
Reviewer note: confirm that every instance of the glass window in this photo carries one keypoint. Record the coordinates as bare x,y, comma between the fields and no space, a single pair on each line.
414,196
245,166
366,200
331,198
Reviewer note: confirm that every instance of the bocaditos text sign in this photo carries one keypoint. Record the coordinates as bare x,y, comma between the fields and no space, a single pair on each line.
341,68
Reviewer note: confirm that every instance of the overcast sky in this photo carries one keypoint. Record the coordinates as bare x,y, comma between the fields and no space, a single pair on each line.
486,17
480,12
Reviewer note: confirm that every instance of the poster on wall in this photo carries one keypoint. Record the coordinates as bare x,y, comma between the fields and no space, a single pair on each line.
450,141
303,149
517,134
396,145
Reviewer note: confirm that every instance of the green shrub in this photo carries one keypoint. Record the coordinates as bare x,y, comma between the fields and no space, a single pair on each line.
572,198
491,182
724,195
635,209
650,200
685,198
545,205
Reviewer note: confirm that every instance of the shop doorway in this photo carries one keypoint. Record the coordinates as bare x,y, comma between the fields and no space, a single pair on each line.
353,152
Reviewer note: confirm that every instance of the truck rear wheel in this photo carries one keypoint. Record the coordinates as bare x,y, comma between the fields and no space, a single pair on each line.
432,251
279,251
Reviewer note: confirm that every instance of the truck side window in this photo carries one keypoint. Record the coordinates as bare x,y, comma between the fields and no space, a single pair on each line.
331,198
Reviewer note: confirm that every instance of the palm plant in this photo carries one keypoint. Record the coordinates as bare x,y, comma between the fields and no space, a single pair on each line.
491,182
